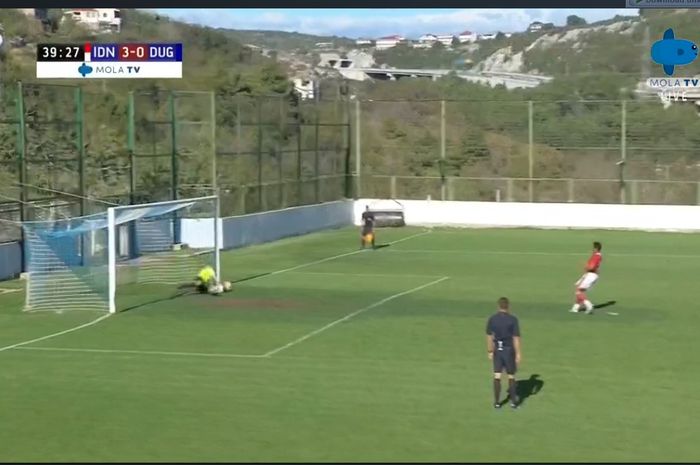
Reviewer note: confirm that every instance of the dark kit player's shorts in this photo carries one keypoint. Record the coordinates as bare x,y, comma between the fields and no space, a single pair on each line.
504,360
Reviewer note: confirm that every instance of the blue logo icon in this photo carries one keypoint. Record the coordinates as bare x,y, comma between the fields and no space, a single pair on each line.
84,69
670,52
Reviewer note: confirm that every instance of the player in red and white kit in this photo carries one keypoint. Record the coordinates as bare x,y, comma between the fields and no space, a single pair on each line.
588,279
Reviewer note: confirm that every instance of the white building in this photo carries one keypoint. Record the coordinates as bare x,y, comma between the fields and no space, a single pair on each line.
305,88
426,41
535,27
97,19
364,42
446,39
384,43
488,36
467,37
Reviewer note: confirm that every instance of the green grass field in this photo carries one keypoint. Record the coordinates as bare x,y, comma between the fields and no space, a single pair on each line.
329,354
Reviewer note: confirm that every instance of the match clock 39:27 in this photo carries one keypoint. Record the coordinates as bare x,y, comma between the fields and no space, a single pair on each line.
60,52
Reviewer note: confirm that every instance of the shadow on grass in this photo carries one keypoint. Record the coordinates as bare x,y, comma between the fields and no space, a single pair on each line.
255,276
609,303
183,292
527,387
381,246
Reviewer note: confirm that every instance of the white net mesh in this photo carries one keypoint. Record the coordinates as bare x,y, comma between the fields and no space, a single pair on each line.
159,246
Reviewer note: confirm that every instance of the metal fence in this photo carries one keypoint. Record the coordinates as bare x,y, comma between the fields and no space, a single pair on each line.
65,151
536,151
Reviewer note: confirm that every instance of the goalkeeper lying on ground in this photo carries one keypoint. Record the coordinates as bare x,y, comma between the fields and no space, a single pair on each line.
206,282
205,279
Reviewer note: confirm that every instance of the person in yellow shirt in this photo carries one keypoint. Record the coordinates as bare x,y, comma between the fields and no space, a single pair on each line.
205,278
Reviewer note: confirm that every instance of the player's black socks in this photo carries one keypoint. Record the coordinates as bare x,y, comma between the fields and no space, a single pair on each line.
512,391
496,390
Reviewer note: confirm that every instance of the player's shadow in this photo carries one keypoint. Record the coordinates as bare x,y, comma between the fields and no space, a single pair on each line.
381,246
183,291
609,303
527,387
251,277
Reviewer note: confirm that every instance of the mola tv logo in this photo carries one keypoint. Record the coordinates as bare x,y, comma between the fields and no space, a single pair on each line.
670,52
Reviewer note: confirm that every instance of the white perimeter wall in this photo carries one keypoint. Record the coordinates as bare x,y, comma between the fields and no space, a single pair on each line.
542,215
257,228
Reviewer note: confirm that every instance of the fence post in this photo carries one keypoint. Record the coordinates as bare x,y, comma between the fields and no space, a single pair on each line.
698,194
80,142
317,184
358,151
212,116
174,164
392,186
131,148
22,159
443,187
173,146
300,184
260,160
623,150
530,150
280,155
348,145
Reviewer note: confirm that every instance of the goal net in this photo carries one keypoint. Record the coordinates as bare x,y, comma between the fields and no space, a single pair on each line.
126,255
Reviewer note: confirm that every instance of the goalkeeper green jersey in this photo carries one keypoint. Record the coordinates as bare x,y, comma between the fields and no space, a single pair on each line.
206,274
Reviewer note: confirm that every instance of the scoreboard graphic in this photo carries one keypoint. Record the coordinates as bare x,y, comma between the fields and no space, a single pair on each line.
109,61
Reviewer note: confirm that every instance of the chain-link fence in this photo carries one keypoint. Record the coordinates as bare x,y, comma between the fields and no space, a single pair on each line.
553,151
66,152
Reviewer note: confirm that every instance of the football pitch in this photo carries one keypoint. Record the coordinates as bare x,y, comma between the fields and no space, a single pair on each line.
326,353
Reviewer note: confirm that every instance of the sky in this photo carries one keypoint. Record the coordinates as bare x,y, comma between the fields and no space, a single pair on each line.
373,23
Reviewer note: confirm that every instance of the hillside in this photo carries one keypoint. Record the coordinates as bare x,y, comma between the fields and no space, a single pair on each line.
577,118
213,62
486,128
285,41
613,47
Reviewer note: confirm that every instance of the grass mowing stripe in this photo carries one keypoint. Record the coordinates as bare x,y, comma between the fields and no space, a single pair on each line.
515,252
372,275
140,352
334,257
60,333
352,315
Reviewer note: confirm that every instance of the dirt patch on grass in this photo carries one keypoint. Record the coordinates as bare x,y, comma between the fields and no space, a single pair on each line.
270,304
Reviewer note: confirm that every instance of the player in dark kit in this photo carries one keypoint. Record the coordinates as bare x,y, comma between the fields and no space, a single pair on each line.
503,346
367,228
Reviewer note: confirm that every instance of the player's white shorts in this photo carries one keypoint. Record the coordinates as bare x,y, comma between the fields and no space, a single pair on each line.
587,281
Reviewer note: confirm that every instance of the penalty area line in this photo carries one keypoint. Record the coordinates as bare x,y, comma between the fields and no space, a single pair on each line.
354,314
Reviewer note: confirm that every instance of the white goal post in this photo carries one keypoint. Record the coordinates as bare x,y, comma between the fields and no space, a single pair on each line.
114,213
83,263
